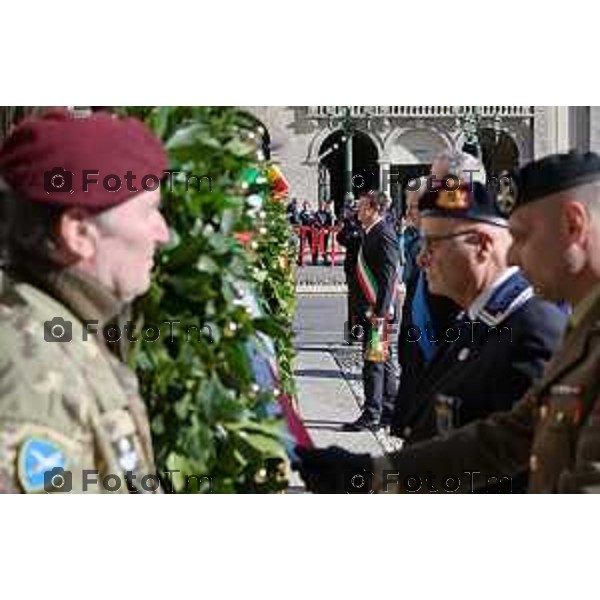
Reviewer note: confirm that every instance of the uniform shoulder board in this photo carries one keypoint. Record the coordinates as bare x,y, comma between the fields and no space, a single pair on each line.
510,296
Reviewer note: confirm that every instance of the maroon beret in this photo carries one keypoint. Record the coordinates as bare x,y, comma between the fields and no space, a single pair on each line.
95,162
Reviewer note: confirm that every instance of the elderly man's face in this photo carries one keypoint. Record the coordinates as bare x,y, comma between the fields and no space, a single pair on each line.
128,237
538,246
440,167
449,255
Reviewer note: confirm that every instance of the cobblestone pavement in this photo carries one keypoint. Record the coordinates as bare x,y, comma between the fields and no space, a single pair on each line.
349,360
328,376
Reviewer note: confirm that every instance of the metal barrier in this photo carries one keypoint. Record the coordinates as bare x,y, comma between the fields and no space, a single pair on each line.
312,240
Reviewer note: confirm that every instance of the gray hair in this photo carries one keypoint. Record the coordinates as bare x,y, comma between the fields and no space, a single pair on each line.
443,156
468,168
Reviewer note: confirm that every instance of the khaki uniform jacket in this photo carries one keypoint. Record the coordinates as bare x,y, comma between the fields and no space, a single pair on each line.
552,434
71,417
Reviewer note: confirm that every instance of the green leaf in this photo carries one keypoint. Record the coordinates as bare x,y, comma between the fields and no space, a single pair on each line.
206,417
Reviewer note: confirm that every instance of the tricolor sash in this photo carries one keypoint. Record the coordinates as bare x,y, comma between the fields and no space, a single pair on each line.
368,283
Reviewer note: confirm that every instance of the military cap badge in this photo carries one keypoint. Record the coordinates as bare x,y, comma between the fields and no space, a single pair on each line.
507,195
453,199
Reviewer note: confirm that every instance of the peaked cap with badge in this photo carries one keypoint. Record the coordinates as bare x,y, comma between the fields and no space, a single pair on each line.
498,346
551,436
473,201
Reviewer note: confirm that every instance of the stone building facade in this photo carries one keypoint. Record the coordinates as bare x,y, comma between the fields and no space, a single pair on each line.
392,144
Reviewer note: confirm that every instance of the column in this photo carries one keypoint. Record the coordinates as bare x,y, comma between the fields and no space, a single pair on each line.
384,176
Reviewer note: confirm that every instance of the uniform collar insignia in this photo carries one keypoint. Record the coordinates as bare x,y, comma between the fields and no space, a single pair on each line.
503,298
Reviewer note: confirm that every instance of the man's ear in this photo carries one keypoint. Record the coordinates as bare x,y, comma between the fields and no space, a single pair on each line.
577,222
78,233
486,244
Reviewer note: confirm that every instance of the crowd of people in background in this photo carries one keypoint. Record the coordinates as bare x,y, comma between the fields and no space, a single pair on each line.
385,252
319,221
498,344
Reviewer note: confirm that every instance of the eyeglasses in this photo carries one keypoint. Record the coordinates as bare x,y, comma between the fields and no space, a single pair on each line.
429,242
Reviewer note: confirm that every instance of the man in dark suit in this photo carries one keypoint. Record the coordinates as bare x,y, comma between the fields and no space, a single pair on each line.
552,434
377,276
499,344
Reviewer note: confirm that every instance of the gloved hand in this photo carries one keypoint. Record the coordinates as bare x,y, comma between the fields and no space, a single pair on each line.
334,470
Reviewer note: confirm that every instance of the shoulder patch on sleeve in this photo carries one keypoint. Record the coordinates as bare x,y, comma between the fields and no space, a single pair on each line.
41,464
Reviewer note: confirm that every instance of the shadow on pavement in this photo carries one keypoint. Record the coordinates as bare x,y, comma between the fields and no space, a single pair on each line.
320,373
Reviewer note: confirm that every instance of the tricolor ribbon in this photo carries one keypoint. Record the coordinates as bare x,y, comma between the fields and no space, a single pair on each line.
368,283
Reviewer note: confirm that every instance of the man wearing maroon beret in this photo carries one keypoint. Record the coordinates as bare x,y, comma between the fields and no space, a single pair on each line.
80,211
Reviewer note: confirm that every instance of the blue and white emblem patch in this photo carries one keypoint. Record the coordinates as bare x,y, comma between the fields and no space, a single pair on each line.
37,456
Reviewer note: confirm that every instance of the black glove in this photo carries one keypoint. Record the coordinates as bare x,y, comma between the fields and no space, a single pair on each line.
334,470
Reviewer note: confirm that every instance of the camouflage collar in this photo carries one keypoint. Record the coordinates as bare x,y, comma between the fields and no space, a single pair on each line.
87,298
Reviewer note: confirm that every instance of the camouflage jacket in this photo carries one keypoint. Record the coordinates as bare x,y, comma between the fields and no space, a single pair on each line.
70,414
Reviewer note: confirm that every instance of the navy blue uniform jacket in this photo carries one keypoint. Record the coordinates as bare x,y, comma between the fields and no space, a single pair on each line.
494,360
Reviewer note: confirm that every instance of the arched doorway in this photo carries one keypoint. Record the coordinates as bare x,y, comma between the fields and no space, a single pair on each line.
499,152
332,166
